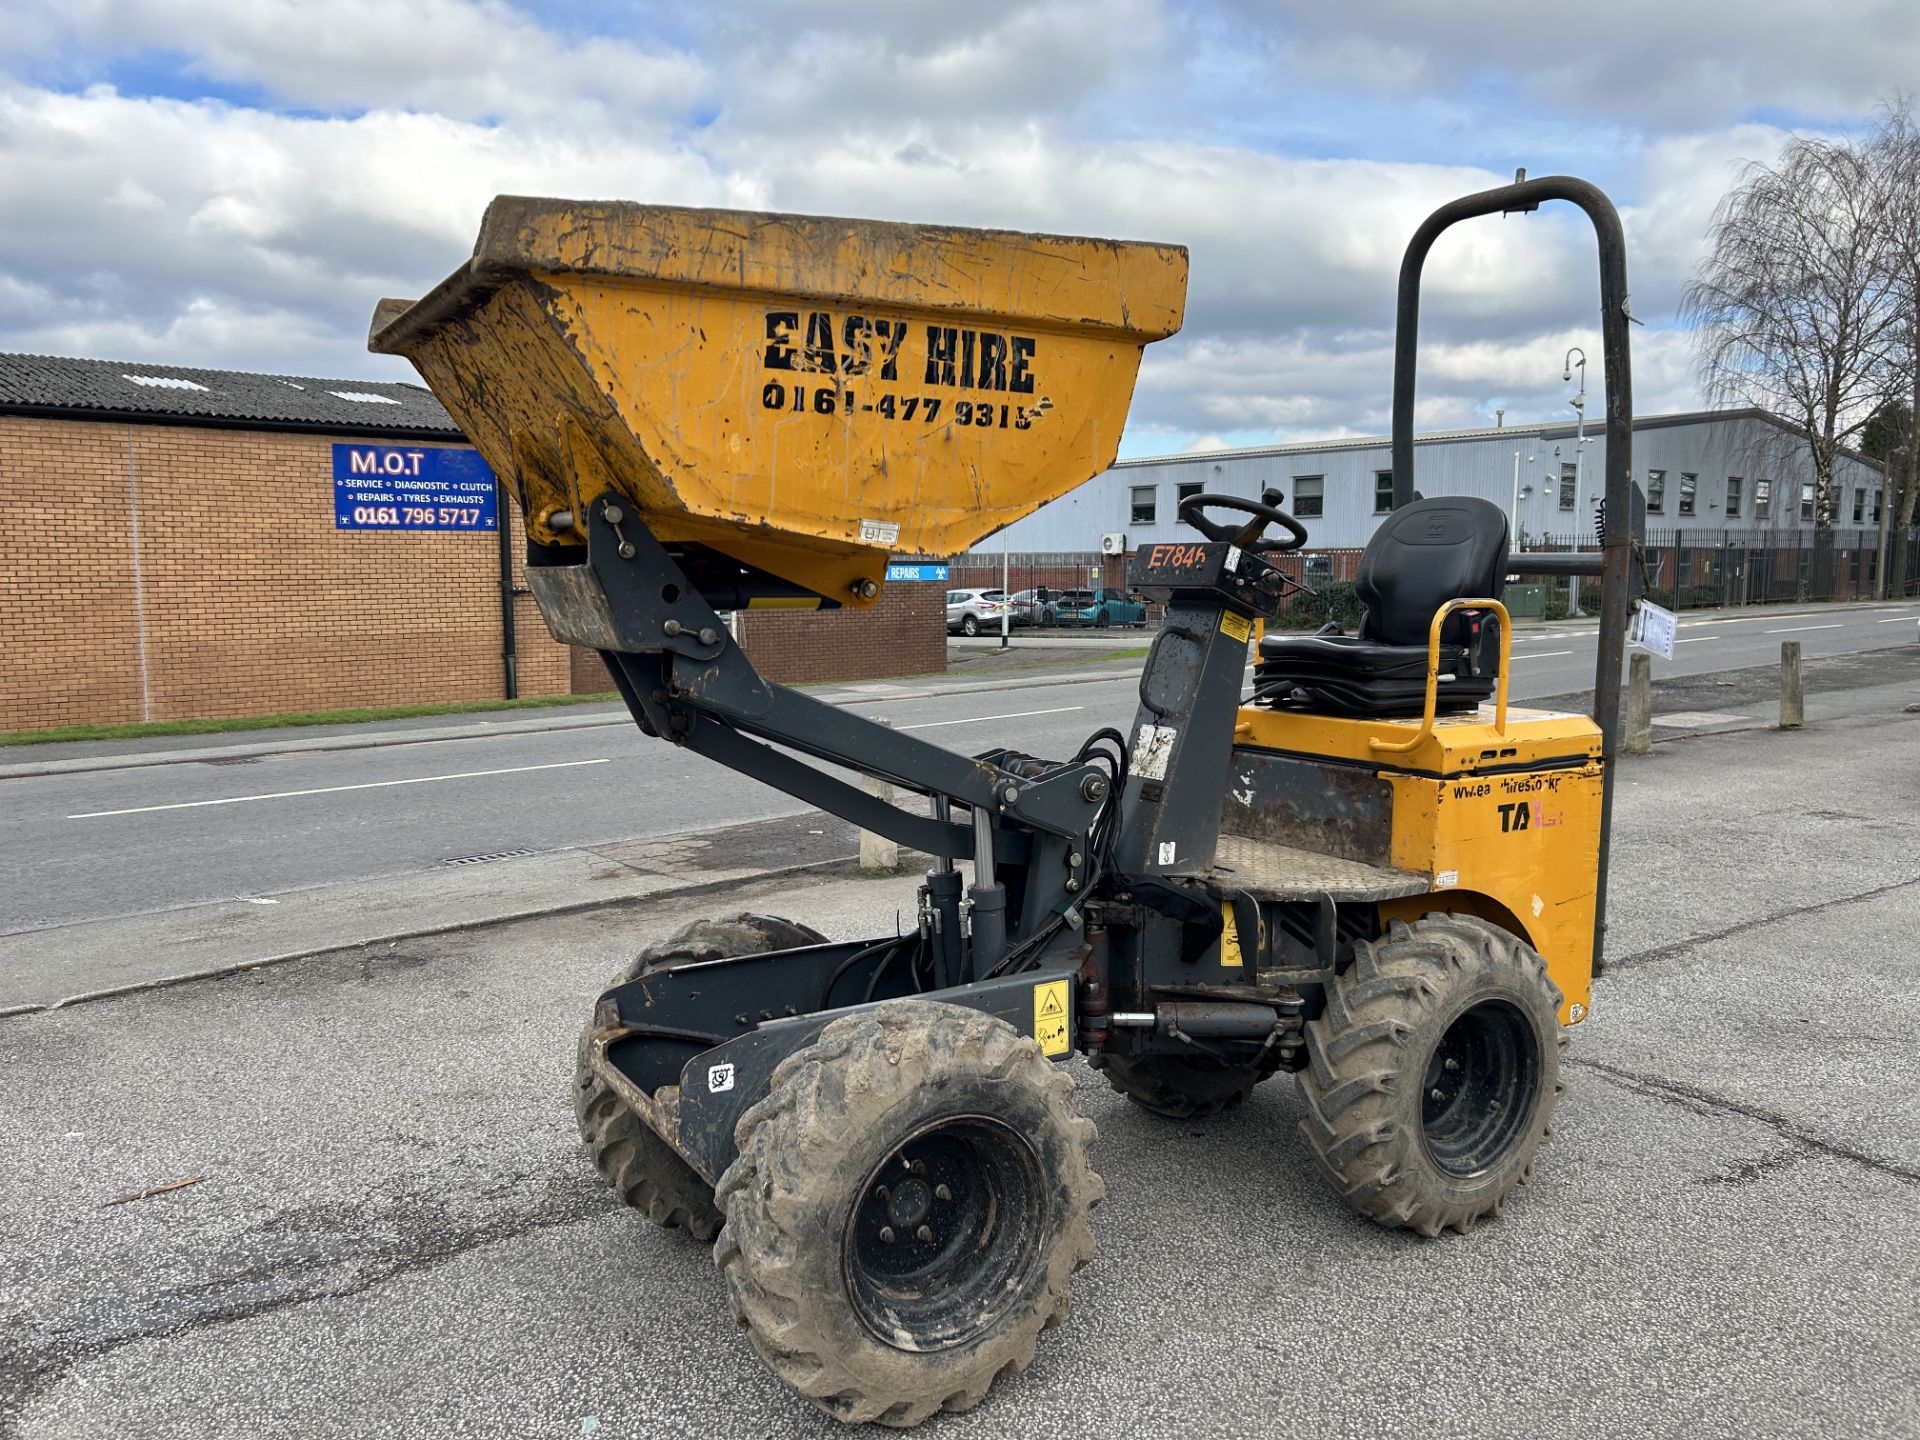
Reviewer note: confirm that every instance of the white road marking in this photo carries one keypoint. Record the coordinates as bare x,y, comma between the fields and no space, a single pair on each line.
1543,655
1796,629
1699,639
1896,620
334,789
977,719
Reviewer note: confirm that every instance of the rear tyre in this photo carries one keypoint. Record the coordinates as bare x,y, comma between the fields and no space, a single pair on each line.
1183,1087
1047,618
643,1169
909,1202
1432,1073
969,626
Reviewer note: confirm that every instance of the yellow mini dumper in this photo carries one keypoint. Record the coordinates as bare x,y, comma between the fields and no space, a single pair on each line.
1371,871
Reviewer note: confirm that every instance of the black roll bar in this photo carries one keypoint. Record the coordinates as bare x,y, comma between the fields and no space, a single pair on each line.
1616,546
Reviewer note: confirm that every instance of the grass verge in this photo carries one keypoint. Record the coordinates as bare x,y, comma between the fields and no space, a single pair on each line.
222,725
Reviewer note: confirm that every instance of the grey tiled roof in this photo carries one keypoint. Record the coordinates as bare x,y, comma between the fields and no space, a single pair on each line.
177,394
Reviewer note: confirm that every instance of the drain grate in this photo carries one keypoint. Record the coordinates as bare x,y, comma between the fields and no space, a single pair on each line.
490,855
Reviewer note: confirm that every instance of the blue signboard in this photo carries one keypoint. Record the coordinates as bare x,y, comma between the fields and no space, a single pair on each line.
917,572
397,487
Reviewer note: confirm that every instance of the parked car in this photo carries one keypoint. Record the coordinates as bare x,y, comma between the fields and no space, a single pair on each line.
1036,607
971,611
1102,608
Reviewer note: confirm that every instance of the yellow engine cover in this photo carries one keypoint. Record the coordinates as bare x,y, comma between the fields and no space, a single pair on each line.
805,395
1504,826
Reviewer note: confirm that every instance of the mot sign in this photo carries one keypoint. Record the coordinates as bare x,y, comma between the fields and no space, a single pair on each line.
399,487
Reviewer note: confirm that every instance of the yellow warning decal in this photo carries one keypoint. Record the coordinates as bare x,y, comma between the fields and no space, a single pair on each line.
1237,627
1050,1017
1230,939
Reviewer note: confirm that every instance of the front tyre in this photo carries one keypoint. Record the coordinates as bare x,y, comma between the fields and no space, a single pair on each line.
1432,1073
907,1207
645,1171
969,626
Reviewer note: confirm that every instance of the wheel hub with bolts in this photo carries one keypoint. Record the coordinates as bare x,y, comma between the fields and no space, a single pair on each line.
929,1247
1480,1088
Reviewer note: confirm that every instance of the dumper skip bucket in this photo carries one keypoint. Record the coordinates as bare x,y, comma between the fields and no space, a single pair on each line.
805,396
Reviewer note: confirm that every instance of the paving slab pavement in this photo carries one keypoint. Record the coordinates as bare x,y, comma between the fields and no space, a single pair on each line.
396,1232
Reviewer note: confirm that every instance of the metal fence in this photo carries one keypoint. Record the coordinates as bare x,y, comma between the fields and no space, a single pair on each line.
1704,570
1686,570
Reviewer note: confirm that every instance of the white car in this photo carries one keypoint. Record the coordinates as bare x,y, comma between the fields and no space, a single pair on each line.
971,611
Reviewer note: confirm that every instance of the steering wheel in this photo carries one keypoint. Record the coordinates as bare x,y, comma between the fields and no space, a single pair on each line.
1264,512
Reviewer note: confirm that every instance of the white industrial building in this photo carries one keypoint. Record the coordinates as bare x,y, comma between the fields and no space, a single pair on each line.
1706,474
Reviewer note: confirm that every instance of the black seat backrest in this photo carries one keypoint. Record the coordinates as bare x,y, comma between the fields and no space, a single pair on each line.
1424,555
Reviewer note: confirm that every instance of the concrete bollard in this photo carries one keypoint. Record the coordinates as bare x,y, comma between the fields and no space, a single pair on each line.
1640,703
1793,697
878,855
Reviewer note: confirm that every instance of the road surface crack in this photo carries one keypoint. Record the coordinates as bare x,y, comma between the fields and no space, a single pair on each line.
34,1359
1760,922
1692,1097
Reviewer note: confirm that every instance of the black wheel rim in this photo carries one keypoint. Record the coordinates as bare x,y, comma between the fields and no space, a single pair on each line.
945,1234
1481,1083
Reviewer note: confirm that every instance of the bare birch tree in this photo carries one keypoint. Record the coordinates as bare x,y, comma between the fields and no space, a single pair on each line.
1792,307
1893,153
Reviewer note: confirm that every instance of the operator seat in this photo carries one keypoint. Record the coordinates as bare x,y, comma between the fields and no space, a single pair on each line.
1422,556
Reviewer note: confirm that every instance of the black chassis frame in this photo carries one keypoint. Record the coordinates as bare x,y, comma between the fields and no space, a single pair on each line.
1122,911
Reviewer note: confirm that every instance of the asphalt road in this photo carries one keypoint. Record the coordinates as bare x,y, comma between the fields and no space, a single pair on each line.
116,842
393,1231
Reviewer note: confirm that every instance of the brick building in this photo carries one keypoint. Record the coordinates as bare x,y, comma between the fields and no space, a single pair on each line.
185,542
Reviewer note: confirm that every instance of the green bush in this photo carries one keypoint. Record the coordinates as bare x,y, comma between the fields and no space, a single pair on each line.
1310,610
1556,605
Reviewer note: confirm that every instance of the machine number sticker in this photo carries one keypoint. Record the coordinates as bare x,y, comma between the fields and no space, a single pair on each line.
878,532
719,1079
1050,1017
1236,627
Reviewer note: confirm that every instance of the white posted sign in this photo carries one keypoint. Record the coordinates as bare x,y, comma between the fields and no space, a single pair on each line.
1653,629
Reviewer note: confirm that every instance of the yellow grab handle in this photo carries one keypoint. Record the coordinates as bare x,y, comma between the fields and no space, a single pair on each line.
1401,747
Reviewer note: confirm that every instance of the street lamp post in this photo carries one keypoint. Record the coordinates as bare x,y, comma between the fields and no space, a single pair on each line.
1579,403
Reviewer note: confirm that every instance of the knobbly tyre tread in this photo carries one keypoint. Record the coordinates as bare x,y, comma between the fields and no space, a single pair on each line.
643,1169
1182,1087
1366,1058
875,1075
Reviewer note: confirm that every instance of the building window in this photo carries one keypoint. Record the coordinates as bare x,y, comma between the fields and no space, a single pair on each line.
1733,497
1382,492
1859,506
1569,479
1689,487
1656,491
1143,504
1806,500
1876,506
1762,499
1309,496
1186,490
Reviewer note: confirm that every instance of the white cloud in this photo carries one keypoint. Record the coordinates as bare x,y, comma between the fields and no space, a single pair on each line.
466,59
1702,62
260,234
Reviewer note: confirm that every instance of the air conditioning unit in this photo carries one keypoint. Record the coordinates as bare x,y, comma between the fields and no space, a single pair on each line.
1115,544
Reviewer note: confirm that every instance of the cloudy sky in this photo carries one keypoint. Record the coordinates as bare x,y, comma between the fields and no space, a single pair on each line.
235,182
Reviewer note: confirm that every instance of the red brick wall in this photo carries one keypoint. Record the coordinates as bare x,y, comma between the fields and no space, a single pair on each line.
904,633
247,600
